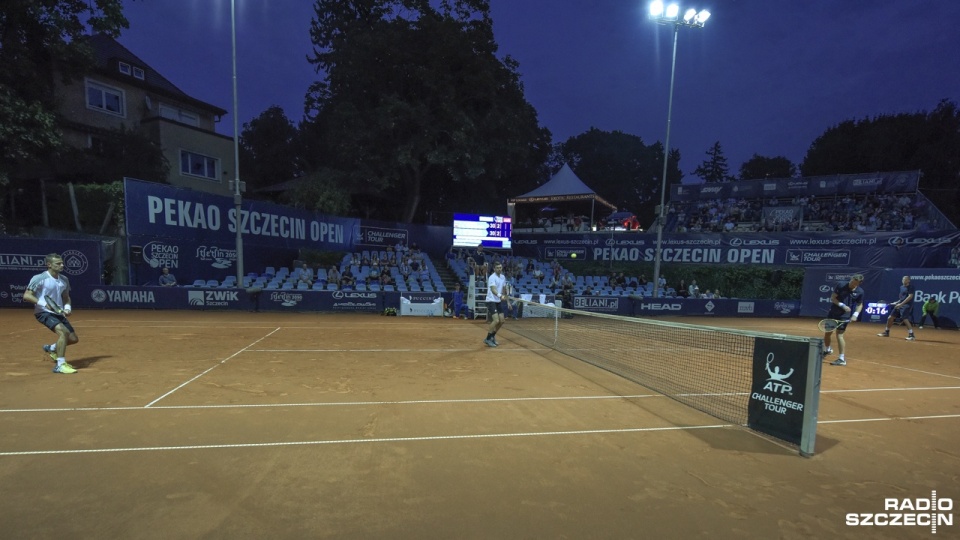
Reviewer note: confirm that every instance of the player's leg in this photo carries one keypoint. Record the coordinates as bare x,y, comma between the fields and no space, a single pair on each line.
827,340
886,330
841,347
905,314
493,310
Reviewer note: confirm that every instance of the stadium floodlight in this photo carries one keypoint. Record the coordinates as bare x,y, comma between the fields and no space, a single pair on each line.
237,191
691,19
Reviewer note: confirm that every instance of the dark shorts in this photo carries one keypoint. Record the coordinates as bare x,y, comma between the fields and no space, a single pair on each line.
51,321
902,312
494,307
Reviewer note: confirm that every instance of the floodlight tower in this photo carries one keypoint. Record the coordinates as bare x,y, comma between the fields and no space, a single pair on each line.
670,15
237,191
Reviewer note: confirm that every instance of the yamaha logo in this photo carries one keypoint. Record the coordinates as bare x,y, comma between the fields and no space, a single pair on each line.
98,295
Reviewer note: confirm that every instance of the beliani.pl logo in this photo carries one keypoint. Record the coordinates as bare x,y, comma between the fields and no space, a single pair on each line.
934,512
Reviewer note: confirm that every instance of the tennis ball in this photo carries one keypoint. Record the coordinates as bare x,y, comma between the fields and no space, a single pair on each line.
573,255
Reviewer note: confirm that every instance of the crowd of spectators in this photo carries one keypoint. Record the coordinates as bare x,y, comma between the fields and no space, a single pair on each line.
864,213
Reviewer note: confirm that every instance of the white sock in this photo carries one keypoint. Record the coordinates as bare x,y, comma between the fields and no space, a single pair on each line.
61,361
841,357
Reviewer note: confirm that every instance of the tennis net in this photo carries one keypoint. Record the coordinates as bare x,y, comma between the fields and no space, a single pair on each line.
718,371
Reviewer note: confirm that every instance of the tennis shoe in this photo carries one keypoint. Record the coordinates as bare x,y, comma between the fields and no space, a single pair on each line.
920,327
828,350
50,352
911,338
839,362
64,368
490,342
884,334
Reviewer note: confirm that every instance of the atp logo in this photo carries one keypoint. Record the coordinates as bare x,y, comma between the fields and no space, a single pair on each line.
777,382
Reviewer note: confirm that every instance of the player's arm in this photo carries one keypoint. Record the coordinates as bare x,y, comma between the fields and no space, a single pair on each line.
835,300
30,296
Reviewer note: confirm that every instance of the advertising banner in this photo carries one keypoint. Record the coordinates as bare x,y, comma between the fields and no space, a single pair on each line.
194,233
778,391
881,286
23,258
903,249
892,182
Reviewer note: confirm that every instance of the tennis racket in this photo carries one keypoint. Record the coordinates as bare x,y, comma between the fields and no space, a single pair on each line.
829,325
53,305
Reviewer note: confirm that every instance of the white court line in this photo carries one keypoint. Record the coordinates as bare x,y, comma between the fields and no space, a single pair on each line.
437,401
434,438
910,369
360,441
275,330
501,349
338,404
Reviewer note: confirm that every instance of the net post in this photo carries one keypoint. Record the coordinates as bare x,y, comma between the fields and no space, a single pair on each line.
811,399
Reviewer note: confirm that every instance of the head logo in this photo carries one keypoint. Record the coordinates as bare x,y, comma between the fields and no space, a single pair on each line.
74,262
98,295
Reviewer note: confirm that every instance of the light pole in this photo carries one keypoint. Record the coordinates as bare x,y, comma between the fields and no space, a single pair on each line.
670,15
237,196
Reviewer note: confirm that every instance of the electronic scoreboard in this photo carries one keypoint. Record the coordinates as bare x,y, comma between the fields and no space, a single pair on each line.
472,230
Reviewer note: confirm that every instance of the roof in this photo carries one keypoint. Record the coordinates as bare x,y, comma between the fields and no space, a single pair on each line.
107,52
564,186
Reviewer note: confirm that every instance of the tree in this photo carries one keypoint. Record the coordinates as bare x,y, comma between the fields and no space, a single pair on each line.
269,150
416,106
759,167
929,142
320,192
619,167
38,39
714,168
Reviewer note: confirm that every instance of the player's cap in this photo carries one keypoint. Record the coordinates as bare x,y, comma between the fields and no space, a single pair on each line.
858,277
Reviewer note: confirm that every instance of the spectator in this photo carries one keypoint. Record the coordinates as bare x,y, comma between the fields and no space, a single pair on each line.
405,270
305,275
166,278
932,308
374,274
424,276
333,276
457,303
683,292
347,279
693,290
386,279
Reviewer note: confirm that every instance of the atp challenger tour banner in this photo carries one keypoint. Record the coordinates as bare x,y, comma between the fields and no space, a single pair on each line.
194,234
903,249
23,258
778,393
882,286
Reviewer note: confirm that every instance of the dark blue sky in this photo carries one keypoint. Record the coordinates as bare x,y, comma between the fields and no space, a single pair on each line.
763,77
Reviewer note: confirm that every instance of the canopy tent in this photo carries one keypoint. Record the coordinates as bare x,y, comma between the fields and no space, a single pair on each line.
565,187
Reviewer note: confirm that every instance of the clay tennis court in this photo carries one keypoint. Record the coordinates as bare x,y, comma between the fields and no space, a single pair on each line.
244,425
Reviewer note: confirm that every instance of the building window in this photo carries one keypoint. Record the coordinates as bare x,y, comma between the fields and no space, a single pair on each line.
138,73
193,164
96,144
124,68
105,98
184,117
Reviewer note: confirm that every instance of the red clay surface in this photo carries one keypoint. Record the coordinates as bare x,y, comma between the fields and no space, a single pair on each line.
291,426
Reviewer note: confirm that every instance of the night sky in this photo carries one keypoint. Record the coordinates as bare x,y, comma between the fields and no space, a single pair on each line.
764,77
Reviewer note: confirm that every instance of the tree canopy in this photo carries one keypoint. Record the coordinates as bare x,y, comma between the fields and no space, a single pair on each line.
714,168
619,167
416,106
929,142
37,40
758,167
